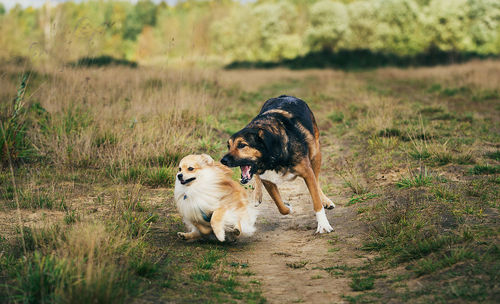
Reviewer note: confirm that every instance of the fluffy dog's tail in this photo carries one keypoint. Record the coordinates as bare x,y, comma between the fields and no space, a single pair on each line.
248,221
246,218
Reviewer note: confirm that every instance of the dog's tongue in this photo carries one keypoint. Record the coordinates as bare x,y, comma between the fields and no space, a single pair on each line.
245,174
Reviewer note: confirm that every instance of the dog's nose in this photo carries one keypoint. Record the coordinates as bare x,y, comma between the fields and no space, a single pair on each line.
225,160
179,176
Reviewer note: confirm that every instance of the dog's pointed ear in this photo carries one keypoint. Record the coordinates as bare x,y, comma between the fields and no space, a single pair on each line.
272,143
207,159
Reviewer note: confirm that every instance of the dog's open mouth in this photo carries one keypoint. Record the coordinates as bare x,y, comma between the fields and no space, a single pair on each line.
246,175
187,181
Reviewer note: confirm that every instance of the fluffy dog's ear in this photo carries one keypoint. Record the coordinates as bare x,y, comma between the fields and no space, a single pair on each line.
207,159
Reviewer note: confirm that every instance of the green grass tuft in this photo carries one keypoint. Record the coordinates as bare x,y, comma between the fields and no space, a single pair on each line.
494,155
150,176
433,264
15,144
361,198
390,133
422,179
485,169
336,117
144,268
201,276
360,283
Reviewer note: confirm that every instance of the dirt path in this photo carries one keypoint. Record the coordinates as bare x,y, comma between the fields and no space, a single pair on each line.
289,260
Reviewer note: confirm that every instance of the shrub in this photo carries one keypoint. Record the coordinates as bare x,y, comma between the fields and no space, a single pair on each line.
363,25
399,28
276,27
484,16
448,25
329,25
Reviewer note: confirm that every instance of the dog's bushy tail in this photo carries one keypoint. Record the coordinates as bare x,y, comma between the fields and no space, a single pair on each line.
248,222
246,217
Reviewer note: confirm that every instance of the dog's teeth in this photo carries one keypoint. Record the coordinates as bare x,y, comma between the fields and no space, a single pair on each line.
245,171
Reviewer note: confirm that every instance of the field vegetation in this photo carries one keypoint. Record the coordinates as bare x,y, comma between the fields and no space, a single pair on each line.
99,101
88,159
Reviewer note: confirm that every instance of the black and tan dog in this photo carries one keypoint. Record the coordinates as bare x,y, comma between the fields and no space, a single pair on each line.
281,143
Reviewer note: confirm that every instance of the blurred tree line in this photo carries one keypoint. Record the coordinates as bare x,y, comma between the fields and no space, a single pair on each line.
220,31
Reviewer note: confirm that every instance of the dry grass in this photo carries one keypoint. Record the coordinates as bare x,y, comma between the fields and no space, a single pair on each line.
380,114
107,140
120,116
82,264
95,131
483,74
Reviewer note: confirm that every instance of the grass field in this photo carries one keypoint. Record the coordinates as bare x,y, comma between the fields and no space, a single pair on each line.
88,160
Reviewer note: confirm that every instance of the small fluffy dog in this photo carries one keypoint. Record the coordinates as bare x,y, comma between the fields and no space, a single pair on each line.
209,200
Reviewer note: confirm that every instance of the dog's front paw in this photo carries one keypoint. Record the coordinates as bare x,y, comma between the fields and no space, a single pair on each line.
324,228
257,203
289,207
182,235
328,204
323,224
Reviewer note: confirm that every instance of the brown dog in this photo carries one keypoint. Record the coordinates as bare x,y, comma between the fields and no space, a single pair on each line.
281,143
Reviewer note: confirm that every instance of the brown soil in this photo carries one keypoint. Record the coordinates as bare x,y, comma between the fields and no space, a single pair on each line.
289,259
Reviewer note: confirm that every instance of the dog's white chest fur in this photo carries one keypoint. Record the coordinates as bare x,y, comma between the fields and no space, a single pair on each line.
277,177
192,200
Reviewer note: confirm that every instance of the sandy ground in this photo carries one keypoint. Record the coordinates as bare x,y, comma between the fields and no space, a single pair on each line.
288,258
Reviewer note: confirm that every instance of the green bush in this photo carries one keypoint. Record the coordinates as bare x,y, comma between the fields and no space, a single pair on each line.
399,28
328,25
41,277
263,31
448,25
363,25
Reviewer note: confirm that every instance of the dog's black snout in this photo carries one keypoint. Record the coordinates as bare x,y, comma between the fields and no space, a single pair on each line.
179,176
225,160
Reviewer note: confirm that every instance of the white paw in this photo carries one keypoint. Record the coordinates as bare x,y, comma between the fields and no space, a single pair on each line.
289,208
323,224
257,203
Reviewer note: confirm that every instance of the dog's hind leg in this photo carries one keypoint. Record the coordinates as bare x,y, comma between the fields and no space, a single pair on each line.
273,191
316,166
193,235
203,229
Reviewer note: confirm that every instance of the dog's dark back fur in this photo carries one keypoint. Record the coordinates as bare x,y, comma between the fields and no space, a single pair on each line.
282,131
283,138
297,107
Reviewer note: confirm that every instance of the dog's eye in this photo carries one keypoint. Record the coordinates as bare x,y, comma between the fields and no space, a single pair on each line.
190,169
180,169
228,146
241,145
